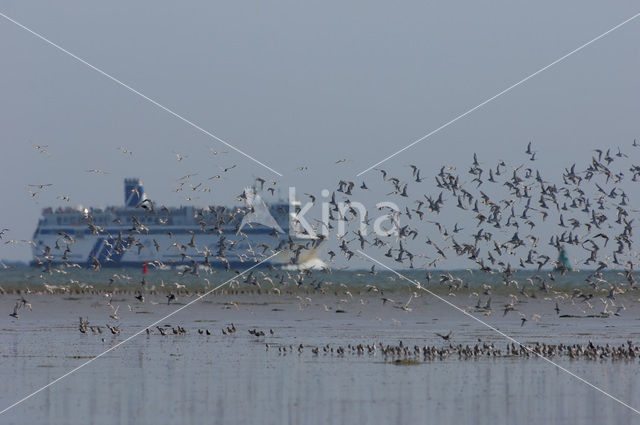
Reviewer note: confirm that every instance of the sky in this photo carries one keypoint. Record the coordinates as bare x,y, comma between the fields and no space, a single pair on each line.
297,84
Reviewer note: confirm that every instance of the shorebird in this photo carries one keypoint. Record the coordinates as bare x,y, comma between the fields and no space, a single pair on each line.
125,150
225,169
523,319
445,337
114,315
179,157
40,186
114,329
15,311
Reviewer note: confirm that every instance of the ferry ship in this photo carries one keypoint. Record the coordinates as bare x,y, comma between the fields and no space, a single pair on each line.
141,232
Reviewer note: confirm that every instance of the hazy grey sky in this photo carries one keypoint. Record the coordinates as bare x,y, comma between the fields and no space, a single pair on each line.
298,83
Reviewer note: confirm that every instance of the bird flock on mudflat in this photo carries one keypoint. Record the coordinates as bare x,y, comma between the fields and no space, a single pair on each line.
403,354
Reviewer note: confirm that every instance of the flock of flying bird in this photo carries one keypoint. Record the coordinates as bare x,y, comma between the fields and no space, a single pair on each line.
504,210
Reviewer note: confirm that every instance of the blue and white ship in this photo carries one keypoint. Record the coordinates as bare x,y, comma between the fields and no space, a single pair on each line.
143,232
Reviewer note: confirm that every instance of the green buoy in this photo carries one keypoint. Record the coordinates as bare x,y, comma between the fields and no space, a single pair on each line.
563,263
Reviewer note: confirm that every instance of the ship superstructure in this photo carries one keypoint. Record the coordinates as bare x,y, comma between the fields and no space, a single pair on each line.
141,231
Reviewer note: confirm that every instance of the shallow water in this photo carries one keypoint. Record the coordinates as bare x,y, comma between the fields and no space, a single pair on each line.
194,379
